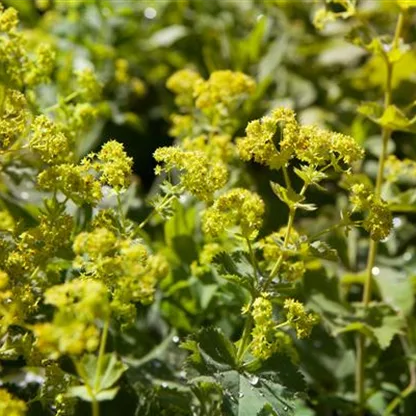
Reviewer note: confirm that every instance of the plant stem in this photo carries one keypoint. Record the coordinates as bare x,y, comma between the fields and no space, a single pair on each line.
121,213
290,221
155,210
249,322
94,404
372,251
66,100
246,335
252,258
101,353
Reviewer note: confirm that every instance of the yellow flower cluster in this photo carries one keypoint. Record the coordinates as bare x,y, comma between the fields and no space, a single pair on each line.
222,88
90,87
20,68
216,147
14,119
7,222
396,170
299,319
76,182
275,139
236,208
38,244
211,105
293,268
114,166
10,406
263,137
73,330
379,221
123,265
266,338
82,183
199,175
182,83
22,259
123,77
318,147
206,255
49,142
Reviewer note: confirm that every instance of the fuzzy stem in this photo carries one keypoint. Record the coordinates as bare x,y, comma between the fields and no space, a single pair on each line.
165,202
101,353
252,258
372,252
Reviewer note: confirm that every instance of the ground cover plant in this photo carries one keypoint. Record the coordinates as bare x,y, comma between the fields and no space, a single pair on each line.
207,208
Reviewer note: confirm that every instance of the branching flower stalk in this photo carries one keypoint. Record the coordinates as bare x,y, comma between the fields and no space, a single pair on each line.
372,252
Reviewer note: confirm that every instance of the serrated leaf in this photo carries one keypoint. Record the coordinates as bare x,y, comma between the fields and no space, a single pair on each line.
322,250
356,327
216,349
394,119
235,268
275,384
380,324
287,196
310,175
111,370
396,289
391,118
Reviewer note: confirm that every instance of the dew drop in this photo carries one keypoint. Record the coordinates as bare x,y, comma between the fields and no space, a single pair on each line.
397,222
150,13
175,339
375,271
254,381
164,385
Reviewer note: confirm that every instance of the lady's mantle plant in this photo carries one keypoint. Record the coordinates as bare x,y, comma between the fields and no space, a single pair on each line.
255,300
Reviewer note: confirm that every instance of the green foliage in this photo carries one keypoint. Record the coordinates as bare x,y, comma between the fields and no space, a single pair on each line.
248,248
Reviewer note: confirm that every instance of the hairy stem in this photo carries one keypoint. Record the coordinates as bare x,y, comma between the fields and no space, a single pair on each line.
101,353
249,322
372,252
252,258
165,201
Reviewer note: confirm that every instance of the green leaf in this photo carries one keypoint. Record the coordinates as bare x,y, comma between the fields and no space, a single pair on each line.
167,36
396,289
216,350
379,323
276,384
111,370
404,202
310,175
179,231
391,118
236,268
287,196
394,119
372,110
322,250
83,393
